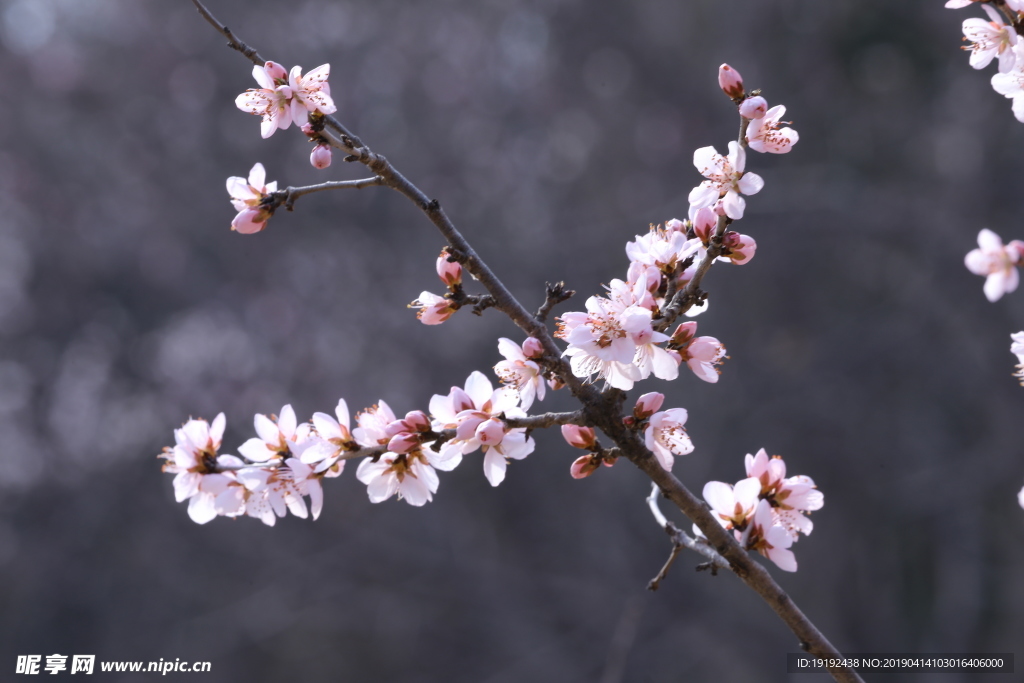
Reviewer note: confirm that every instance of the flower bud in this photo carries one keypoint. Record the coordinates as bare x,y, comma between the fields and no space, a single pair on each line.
730,81
307,128
740,248
753,107
490,432
403,442
275,71
460,400
532,348
320,157
584,466
450,272
555,382
416,421
648,405
1016,249
579,437
684,334
250,221
704,224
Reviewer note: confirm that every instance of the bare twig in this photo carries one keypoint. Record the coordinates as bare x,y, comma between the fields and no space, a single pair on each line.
554,295
288,195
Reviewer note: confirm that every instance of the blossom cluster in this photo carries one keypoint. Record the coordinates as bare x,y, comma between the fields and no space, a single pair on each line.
284,464
767,511
286,97
998,39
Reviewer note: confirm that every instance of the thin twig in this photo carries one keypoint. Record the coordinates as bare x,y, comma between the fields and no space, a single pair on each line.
288,195
554,295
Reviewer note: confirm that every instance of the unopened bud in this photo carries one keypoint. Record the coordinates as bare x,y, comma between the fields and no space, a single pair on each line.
675,225
579,437
403,442
532,348
461,400
684,334
450,272
730,81
250,221
740,248
648,405
490,432
704,224
307,128
584,466
753,107
416,421
320,157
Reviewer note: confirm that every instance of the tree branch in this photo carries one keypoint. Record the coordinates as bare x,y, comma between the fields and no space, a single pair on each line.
288,195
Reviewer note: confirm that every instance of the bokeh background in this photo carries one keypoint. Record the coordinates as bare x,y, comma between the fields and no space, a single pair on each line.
552,131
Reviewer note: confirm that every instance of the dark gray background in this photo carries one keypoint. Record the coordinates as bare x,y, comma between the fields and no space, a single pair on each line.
552,131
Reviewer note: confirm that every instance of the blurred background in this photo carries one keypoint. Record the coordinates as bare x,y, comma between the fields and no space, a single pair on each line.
552,131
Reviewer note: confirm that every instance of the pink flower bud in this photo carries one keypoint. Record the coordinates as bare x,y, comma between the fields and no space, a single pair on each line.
730,81
307,128
490,432
532,348
579,437
719,207
740,248
450,272
275,71
320,157
753,107
555,382
416,421
684,334
584,466
648,405
704,224
403,442
395,427
249,221
1016,248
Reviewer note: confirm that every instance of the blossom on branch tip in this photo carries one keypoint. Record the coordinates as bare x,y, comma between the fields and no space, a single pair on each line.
764,134
996,262
725,179
247,197
730,81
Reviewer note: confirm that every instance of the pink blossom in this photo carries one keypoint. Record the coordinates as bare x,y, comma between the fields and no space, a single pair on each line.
725,179
733,506
434,309
771,540
753,107
990,39
410,475
789,497
764,135
320,157
705,222
701,354
580,437
666,437
520,373
997,263
662,249
730,81
276,439
335,439
373,426
311,92
738,249
247,197
272,100
648,404
450,272
1020,497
